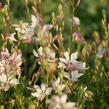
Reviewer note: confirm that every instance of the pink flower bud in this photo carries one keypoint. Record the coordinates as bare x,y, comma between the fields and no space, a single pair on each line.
77,37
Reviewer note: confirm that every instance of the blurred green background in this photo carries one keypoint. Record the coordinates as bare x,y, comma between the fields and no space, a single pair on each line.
89,12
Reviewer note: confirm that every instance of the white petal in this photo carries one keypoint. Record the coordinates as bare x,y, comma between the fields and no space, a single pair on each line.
43,87
67,75
61,65
35,20
35,53
47,27
69,105
66,54
7,88
14,81
63,98
38,89
76,20
41,51
101,51
48,91
57,81
60,87
36,94
3,78
64,60
74,56
75,75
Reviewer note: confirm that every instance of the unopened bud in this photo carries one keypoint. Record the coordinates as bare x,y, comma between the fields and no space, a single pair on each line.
77,37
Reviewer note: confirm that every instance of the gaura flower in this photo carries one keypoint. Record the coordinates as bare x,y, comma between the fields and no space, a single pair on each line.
10,63
7,80
73,77
50,54
11,37
75,21
78,37
44,35
41,92
47,27
101,51
88,94
71,63
57,87
26,31
60,102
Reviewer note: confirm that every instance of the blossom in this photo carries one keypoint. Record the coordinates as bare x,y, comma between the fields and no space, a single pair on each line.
41,92
71,63
11,37
60,102
26,31
7,80
57,87
47,27
73,77
9,68
101,51
77,37
50,54
10,63
75,20
44,35
88,94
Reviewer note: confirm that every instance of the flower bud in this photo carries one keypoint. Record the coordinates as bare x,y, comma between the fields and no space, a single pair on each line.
77,37
44,37
51,67
96,37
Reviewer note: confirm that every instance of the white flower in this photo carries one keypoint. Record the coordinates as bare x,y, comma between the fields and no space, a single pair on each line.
71,63
7,80
26,31
10,63
57,87
47,27
88,94
60,102
11,37
41,92
40,54
75,20
78,37
101,51
73,77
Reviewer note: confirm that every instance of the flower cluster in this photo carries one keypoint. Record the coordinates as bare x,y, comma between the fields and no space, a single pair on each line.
71,64
9,68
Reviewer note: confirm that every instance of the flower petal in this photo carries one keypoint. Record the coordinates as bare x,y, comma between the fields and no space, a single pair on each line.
40,51
48,91
43,87
67,75
38,89
36,94
35,53
3,78
63,98
64,60
74,56
66,54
